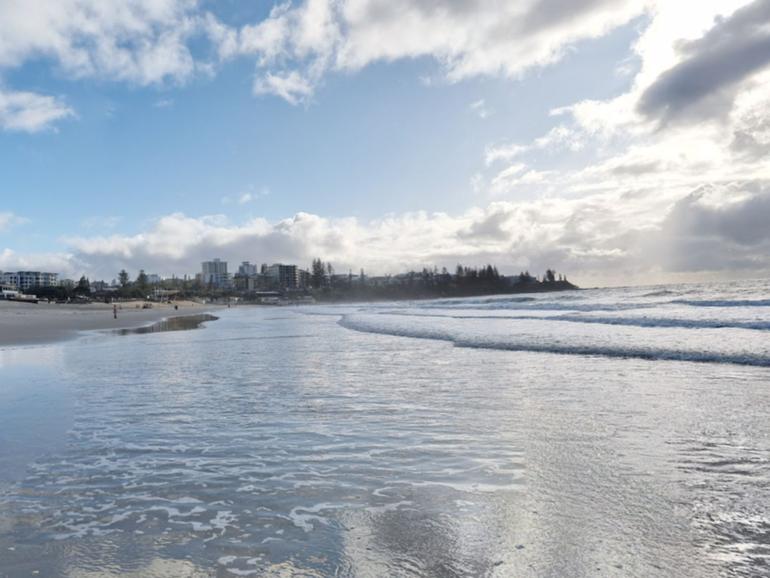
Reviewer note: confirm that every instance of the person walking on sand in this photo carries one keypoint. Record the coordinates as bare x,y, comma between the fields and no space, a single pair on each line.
114,311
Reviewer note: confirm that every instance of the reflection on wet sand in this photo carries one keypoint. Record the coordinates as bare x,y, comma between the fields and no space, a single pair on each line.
172,324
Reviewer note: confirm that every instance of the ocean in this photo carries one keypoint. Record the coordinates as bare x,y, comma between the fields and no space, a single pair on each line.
602,432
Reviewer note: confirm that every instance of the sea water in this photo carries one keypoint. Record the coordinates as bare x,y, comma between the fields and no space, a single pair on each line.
613,432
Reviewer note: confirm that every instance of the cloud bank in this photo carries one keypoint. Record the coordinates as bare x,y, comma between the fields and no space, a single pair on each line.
604,237
682,152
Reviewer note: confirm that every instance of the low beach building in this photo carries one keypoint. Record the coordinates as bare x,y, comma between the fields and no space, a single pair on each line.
7,291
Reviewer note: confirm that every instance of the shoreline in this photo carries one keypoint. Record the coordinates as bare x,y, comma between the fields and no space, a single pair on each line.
27,324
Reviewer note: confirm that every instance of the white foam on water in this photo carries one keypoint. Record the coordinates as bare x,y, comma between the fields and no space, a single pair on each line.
301,516
540,336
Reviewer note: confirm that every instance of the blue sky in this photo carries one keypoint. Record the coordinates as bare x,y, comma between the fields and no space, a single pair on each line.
523,146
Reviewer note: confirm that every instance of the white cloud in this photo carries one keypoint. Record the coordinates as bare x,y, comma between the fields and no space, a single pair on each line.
9,220
143,42
291,86
140,41
479,107
293,47
97,222
164,103
148,42
30,112
63,263
298,44
249,196
503,152
474,37
559,137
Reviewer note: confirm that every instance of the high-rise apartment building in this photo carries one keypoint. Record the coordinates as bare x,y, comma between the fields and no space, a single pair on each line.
283,276
246,269
214,273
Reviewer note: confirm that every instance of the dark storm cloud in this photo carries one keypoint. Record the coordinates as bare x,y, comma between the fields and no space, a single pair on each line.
636,169
549,13
704,84
540,15
491,226
744,222
751,141
698,235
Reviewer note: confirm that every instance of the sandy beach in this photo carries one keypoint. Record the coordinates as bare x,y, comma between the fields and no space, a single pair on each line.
26,323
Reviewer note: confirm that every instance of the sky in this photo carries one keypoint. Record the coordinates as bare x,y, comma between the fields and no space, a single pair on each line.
617,141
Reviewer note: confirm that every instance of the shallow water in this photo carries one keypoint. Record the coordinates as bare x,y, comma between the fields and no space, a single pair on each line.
439,438
182,323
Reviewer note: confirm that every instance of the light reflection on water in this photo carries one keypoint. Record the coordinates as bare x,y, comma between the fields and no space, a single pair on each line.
282,445
182,323
16,357
35,408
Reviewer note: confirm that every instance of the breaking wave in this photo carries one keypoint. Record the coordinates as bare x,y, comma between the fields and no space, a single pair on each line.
661,293
622,321
724,302
554,344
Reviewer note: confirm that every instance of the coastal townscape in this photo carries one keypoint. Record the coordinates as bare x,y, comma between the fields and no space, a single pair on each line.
278,283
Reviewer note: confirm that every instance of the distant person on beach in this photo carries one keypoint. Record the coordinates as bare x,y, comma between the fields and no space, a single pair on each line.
114,311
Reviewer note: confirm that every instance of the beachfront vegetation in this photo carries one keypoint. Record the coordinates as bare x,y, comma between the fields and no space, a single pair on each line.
435,283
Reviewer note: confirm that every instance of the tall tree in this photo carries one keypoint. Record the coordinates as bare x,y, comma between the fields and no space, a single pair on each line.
123,277
317,273
141,282
83,287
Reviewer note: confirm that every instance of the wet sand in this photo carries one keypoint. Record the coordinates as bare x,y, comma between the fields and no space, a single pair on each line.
27,324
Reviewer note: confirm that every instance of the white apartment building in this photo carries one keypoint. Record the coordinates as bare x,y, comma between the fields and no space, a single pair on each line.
23,280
